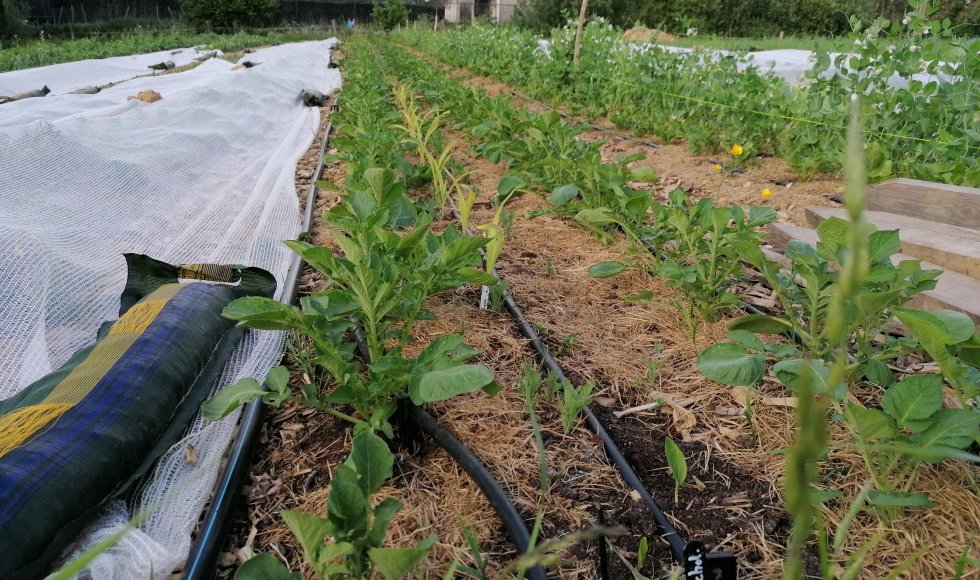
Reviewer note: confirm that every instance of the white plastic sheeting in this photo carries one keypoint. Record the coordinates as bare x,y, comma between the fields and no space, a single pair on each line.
71,76
204,175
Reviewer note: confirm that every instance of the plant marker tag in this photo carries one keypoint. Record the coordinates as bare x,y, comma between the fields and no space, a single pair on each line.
484,297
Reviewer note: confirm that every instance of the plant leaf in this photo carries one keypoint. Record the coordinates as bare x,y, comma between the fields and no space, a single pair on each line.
372,460
442,384
606,269
564,194
731,364
760,323
675,460
899,499
230,398
913,399
395,563
309,530
792,372
264,567
262,313
959,326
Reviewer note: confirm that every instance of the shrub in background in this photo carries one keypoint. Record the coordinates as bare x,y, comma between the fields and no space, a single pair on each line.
11,14
225,14
389,14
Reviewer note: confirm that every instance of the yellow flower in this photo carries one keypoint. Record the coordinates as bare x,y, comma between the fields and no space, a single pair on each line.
766,193
736,150
716,168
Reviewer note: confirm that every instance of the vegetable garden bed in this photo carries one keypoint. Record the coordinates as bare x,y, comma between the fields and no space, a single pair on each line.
639,356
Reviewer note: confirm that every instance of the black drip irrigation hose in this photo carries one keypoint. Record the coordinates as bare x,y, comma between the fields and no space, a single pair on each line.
698,563
203,556
693,556
477,471
419,418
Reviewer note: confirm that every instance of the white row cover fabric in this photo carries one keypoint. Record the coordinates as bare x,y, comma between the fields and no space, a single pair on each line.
71,76
206,174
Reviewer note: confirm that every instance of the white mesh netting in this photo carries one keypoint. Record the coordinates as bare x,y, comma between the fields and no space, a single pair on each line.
71,76
206,174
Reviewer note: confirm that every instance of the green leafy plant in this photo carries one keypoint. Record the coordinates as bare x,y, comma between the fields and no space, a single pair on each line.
677,464
389,14
356,529
573,401
695,247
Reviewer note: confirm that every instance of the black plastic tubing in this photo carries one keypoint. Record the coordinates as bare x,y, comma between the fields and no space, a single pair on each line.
481,476
203,556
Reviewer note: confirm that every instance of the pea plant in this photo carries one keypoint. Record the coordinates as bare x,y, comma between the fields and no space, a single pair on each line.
918,127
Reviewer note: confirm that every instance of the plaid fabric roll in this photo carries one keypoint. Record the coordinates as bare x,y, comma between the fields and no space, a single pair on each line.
86,432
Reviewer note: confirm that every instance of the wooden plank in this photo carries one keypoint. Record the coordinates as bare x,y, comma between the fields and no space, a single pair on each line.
954,248
950,204
953,291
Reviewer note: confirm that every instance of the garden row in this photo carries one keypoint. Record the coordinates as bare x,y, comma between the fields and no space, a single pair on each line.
391,245
850,375
408,350
916,126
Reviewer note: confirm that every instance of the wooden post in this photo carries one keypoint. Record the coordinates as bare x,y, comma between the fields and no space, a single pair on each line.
473,12
71,26
435,22
333,26
578,32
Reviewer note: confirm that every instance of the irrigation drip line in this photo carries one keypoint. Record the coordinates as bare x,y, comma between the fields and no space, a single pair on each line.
475,468
471,464
698,563
203,556
693,556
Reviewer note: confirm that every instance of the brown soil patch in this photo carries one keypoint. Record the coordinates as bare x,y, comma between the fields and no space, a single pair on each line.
146,97
644,34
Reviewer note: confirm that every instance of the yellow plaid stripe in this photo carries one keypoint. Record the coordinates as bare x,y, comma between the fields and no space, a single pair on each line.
209,272
20,424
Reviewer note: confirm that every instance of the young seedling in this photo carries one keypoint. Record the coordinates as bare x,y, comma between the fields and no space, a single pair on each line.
573,401
677,465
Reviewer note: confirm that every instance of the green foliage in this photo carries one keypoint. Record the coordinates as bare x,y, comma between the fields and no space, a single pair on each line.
356,529
227,14
389,14
389,263
11,14
916,129
46,52
757,17
573,401
677,464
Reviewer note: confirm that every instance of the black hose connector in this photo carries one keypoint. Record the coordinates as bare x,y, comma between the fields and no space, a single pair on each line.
493,491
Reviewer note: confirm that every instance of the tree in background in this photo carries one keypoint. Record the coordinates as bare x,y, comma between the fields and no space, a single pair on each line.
745,17
11,14
223,14
389,14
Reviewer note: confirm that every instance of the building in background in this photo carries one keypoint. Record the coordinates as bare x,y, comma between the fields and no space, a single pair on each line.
498,11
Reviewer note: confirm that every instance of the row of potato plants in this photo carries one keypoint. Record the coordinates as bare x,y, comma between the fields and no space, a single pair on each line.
836,298
917,127
389,262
